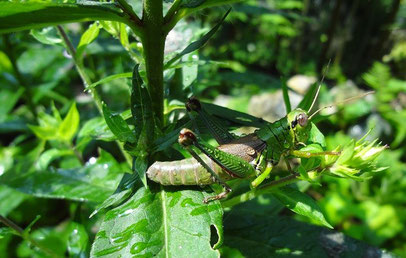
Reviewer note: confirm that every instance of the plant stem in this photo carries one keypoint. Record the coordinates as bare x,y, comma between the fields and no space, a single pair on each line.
21,233
87,82
79,67
153,41
260,190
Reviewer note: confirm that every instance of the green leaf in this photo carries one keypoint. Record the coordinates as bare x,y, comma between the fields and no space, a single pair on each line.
141,106
347,153
161,224
118,126
109,79
47,35
69,125
78,240
8,98
10,199
113,200
281,236
316,136
93,182
48,156
140,166
301,204
308,97
88,37
197,44
192,3
95,128
5,231
189,72
15,16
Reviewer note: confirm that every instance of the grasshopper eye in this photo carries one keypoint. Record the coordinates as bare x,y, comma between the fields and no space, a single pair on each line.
302,119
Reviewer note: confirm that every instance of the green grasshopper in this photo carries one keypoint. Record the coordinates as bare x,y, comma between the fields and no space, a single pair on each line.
250,156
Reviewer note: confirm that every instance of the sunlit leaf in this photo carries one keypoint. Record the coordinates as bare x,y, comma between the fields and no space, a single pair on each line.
118,126
301,203
87,37
70,124
163,224
16,16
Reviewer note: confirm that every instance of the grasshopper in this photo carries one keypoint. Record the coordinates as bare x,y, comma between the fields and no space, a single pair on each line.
246,157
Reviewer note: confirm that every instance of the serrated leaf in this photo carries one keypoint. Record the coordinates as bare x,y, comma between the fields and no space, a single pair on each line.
87,37
301,204
160,224
69,125
198,43
118,126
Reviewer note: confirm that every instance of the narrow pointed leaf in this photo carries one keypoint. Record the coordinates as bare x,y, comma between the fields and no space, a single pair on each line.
199,43
118,126
15,16
301,204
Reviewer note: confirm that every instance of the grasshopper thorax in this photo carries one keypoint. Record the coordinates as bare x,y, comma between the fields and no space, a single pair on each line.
299,125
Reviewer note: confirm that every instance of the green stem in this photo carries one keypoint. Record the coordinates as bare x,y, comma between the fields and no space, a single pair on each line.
174,8
129,10
81,70
260,190
153,41
87,82
21,233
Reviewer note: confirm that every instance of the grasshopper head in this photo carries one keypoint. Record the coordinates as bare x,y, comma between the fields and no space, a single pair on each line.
299,125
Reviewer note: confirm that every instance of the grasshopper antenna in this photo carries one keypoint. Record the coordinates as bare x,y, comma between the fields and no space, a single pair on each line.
341,102
318,88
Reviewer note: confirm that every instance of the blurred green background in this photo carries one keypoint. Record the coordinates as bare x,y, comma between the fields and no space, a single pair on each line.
260,46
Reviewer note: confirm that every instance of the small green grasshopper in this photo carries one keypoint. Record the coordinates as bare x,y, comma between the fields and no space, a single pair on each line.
250,156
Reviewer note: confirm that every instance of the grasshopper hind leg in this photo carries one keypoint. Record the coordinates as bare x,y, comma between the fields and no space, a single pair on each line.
186,139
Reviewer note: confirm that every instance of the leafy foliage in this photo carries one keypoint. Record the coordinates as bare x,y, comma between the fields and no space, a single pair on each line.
78,136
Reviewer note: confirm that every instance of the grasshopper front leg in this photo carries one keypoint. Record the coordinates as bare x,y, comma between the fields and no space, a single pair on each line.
233,165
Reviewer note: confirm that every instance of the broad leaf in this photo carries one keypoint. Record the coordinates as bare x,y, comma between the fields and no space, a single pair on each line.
161,224
301,204
15,16
279,236
94,182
